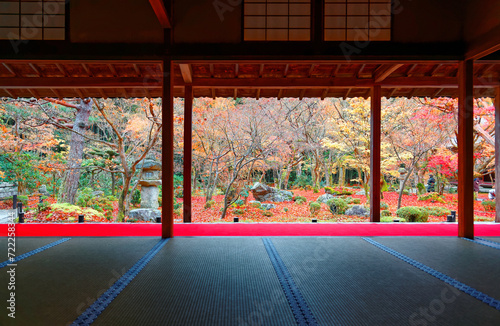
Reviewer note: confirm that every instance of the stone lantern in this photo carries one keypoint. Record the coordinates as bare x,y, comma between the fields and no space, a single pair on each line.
149,191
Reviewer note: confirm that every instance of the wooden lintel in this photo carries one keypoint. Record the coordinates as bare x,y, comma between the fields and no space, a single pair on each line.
161,13
78,82
186,72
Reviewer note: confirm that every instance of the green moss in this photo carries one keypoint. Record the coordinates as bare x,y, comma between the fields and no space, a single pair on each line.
75,210
314,207
413,214
489,205
340,205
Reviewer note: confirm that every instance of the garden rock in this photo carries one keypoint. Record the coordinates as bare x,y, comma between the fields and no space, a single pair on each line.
324,198
145,214
262,192
360,193
97,193
357,210
268,206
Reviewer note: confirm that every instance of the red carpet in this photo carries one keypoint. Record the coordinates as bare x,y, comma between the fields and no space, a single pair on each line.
243,229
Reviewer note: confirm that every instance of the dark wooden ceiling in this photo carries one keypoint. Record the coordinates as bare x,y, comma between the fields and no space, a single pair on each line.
66,79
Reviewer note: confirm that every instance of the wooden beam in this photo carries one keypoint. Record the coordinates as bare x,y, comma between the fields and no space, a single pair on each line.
87,70
167,214
188,153
375,139
9,69
392,92
137,70
161,13
434,69
9,92
56,92
261,70
279,94
324,93
61,69
35,69
484,45
187,73
466,150
101,91
301,95
33,93
347,93
360,69
213,93
79,92
435,94
257,96
78,82
235,94
113,70
410,70
286,70
383,72
497,153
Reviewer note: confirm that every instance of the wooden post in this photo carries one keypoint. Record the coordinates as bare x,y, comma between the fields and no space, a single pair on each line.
188,151
375,124
465,149
497,153
167,221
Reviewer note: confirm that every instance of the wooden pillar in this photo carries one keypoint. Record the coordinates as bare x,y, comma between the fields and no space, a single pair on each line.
497,153
188,151
375,127
167,221
465,149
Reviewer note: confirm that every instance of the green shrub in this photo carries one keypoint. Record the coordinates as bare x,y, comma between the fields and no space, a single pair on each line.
432,197
238,211
209,204
84,197
420,188
267,213
489,205
178,211
314,207
384,205
315,190
386,213
300,198
413,214
406,192
337,205
239,202
438,211
285,209
255,204
43,206
136,197
160,201
300,201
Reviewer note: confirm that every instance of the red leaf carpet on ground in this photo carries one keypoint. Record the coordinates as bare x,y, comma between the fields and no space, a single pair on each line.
250,229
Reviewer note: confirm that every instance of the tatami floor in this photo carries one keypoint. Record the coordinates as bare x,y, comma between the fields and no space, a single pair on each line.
254,281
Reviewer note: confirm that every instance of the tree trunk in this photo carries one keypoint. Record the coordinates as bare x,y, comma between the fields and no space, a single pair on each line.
71,176
403,187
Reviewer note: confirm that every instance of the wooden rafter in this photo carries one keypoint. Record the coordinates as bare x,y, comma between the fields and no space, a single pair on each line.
161,13
285,73
87,70
324,93
280,92
36,70
302,93
8,92
187,73
385,71
61,69
113,70
410,70
9,69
